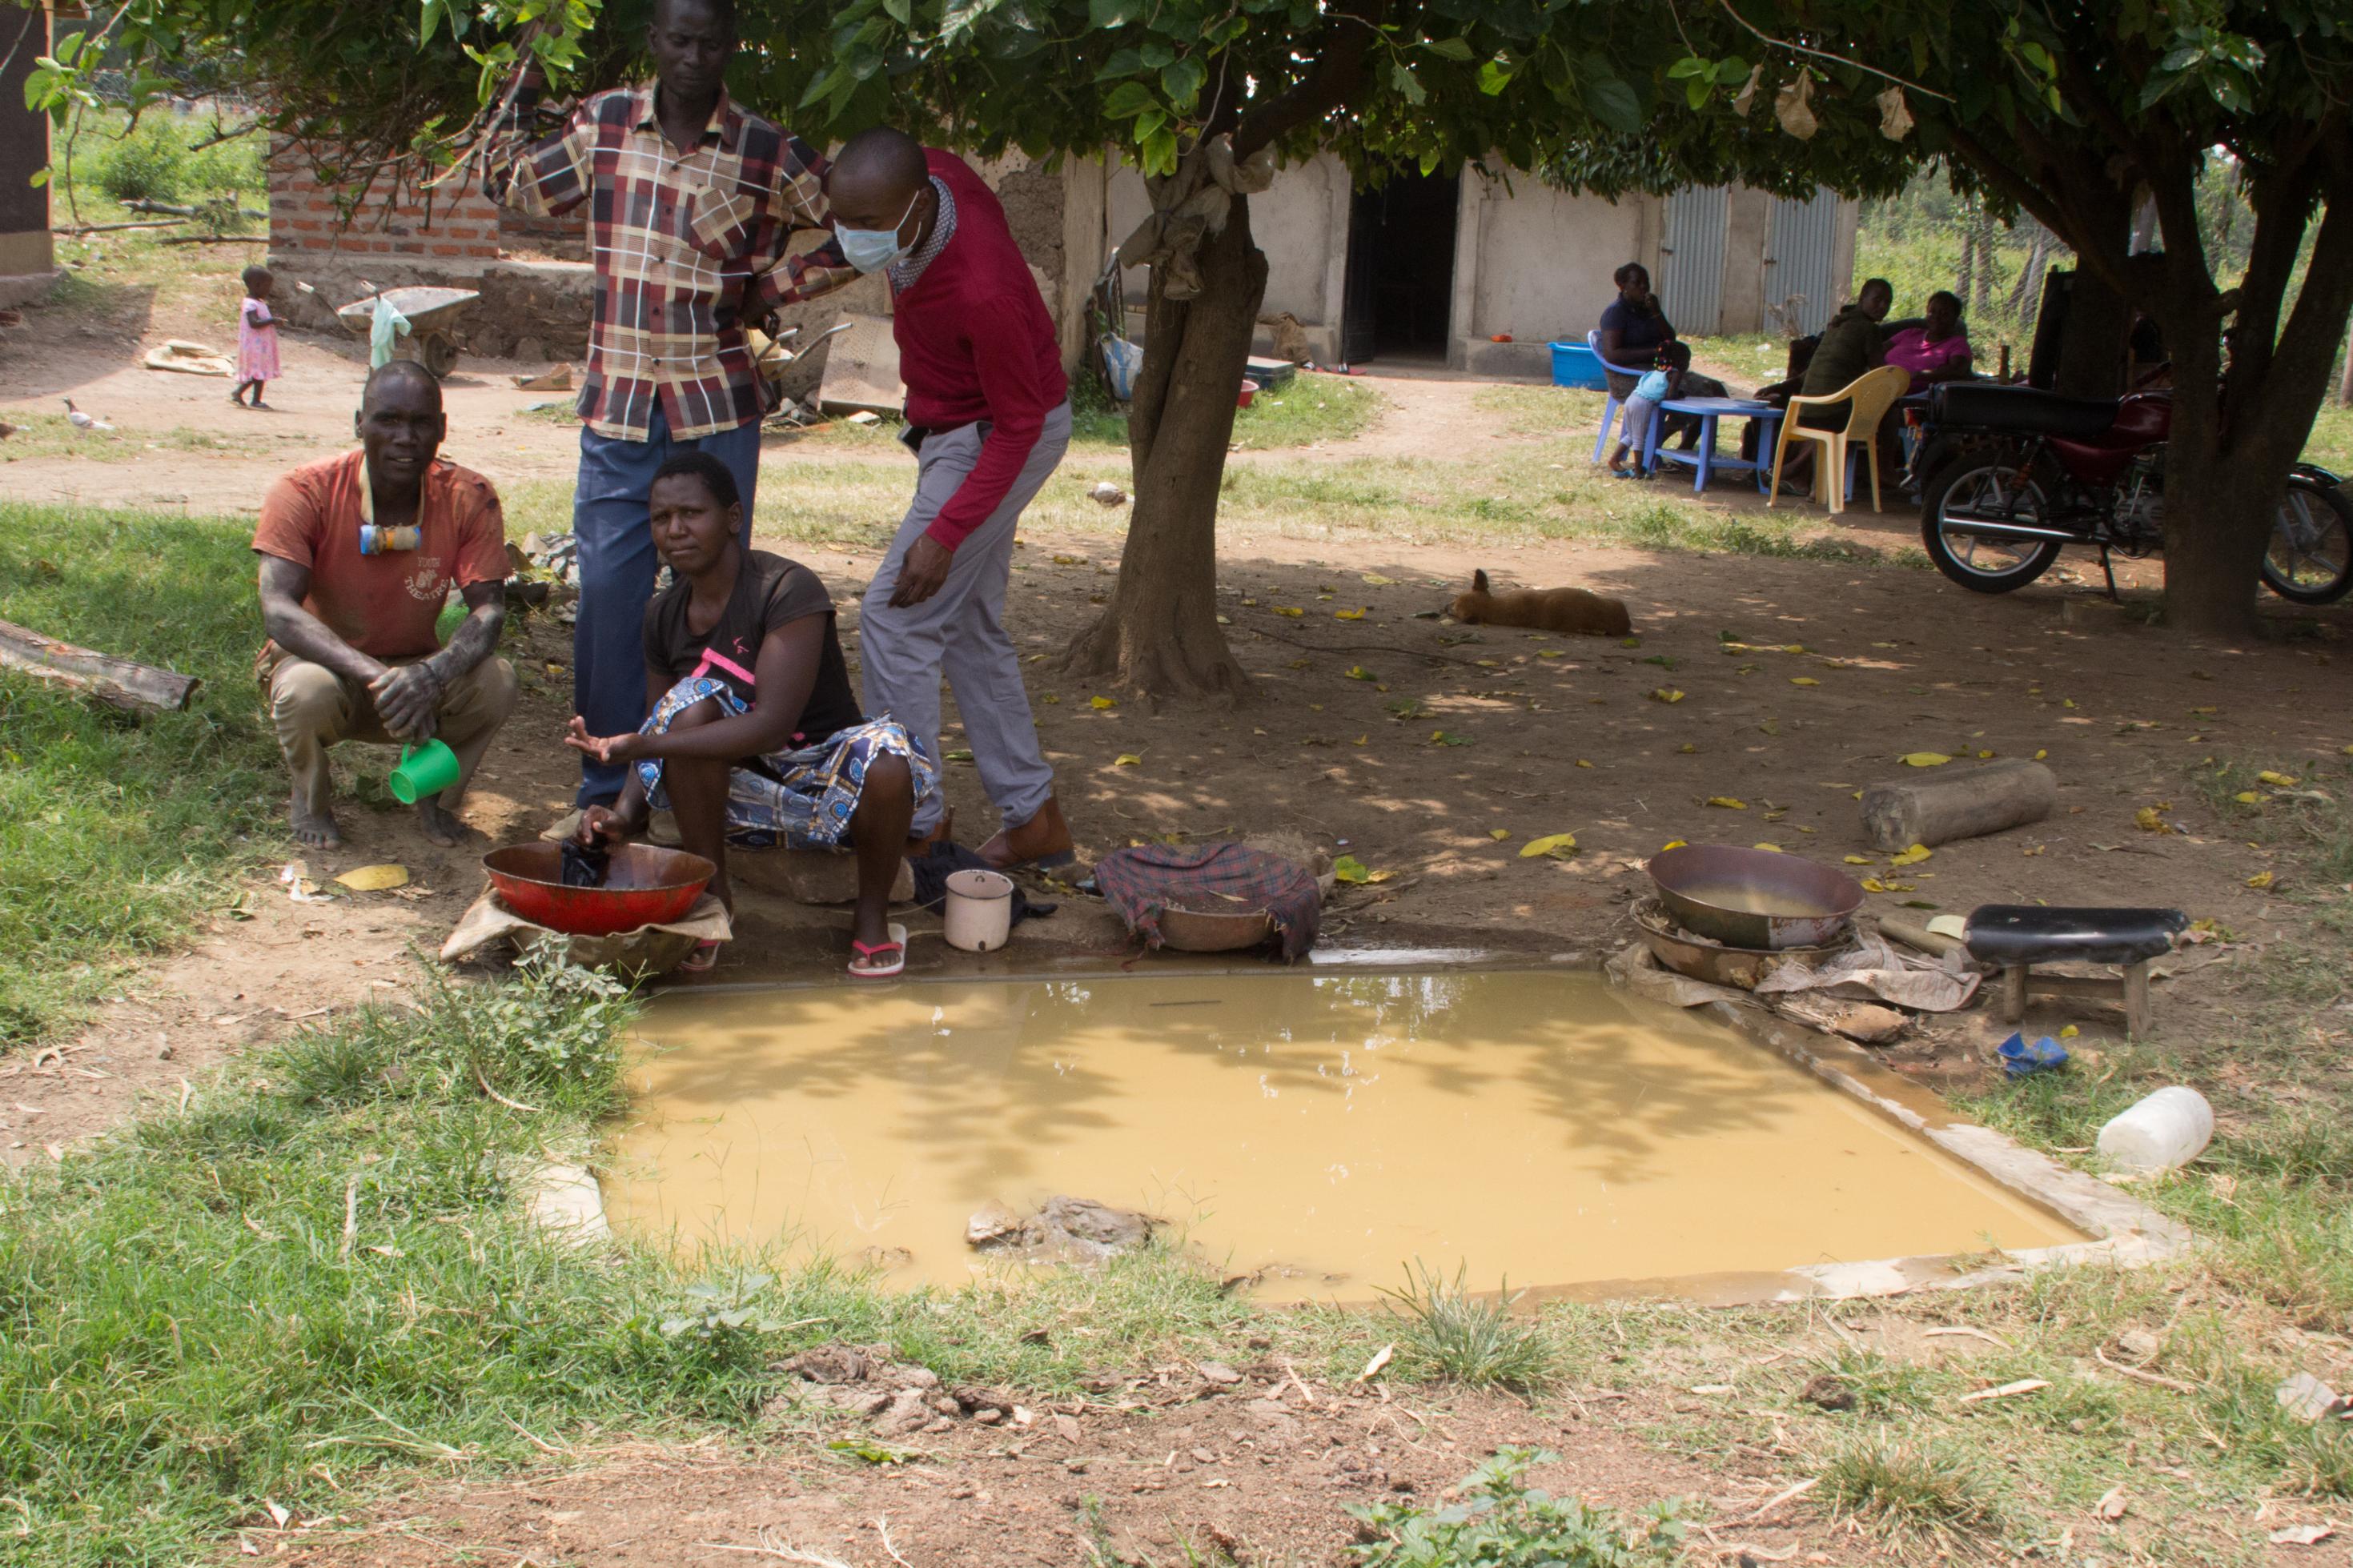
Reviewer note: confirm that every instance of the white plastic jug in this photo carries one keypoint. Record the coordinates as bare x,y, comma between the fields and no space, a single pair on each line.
979,912
2167,1128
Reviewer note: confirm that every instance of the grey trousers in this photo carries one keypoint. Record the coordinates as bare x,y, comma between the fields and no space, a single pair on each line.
960,630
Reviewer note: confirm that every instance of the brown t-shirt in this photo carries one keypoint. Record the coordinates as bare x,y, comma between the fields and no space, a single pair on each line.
770,592
384,606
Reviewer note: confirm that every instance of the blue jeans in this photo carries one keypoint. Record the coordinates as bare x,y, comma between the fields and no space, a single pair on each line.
618,562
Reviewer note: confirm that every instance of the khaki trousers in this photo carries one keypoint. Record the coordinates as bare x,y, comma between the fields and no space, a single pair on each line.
311,707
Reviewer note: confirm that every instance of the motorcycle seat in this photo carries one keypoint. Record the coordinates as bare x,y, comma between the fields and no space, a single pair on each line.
2008,935
2021,408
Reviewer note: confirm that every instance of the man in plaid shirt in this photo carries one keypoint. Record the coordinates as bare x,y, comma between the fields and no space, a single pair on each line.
692,204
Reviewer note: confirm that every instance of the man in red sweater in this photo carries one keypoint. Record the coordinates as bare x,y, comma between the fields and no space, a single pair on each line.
988,417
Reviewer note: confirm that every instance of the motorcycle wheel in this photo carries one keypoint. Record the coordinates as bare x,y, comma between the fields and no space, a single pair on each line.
2310,559
1989,489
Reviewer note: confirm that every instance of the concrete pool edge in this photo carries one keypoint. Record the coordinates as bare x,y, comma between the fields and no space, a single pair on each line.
2123,1231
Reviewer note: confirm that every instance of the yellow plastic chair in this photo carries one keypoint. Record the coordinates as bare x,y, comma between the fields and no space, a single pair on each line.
1871,393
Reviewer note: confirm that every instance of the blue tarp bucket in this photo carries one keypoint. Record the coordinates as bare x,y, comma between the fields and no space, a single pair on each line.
1574,364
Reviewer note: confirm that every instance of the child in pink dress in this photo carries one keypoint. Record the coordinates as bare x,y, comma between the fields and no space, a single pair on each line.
257,339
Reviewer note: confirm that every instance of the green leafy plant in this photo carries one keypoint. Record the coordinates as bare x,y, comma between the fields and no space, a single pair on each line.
557,1029
1503,1523
1446,1330
149,164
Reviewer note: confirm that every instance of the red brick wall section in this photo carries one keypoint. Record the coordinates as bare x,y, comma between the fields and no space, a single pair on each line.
448,228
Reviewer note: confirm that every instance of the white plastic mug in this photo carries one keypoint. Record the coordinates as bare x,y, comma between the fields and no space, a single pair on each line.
2167,1128
980,910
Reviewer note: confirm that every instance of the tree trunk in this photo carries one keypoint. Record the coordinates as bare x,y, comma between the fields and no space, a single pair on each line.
1158,635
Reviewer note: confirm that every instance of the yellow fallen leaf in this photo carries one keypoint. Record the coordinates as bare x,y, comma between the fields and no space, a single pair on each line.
1924,759
1727,802
1378,580
1100,704
374,878
1675,844
1294,611
1983,756
1347,614
1665,694
1556,653
2149,821
1348,868
2036,851
2277,781
1803,681
1070,559
1358,672
1858,859
1583,764
1686,749
1911,857
1360,740
1776,848
1050,699
2247,797
1873,885
2066,702
1559,846
2039,755
2069,1032
2259,879
1127,760
2204,712
1499,834
1487,663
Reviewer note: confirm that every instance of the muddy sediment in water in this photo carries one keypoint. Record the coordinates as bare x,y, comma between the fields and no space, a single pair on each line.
1316,1131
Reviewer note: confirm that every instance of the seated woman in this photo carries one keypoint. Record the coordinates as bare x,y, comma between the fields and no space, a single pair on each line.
1936,349
755,730
1635,332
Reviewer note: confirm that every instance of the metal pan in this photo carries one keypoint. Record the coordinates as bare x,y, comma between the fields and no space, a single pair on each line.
644,885
1687,953
1753,897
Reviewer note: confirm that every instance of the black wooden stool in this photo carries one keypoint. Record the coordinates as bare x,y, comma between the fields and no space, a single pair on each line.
2016,937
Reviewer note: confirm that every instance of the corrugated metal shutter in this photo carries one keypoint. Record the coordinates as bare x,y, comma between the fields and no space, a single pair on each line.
1691,261
1798,253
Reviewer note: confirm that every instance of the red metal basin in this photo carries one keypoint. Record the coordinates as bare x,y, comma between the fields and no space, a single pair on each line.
645,886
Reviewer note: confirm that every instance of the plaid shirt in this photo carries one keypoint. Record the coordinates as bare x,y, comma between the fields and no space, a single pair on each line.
686,246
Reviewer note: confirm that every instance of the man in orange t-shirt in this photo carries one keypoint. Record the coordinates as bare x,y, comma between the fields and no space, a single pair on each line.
351,652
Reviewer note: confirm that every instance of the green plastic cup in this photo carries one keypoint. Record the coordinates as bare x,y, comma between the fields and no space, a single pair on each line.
425,770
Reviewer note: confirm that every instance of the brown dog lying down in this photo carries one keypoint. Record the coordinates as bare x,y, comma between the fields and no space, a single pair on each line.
1569,611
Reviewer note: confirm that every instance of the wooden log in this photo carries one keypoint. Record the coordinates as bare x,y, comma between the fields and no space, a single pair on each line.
117,682
1963,804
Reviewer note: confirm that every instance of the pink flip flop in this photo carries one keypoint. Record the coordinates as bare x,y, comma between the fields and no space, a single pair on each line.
897,945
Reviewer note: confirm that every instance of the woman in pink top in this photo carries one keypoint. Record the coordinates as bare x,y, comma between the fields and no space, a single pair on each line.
1935,351
256,338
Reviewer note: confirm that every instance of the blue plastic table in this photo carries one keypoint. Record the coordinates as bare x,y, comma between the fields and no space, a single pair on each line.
1704,457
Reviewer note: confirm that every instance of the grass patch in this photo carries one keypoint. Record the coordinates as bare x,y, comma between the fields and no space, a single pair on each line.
116,834
52,435
315,1282
1912,1490
1445,1331
1311,408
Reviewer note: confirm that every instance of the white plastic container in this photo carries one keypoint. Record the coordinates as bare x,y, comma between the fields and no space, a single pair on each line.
979,911
2167,1128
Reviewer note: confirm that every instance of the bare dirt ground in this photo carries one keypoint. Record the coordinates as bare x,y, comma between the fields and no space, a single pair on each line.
1784,685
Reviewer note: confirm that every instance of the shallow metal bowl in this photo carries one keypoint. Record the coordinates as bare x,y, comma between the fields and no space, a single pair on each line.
1753,897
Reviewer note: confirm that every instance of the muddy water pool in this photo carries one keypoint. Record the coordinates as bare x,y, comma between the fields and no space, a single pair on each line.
1322,1129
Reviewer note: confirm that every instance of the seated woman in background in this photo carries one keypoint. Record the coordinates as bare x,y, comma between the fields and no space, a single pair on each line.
1635,332
755,730
1936,349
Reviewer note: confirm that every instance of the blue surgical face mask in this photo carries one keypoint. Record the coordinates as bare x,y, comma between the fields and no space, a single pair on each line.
872,249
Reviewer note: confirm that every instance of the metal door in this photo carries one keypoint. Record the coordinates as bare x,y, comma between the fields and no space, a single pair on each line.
1691,261
1798,251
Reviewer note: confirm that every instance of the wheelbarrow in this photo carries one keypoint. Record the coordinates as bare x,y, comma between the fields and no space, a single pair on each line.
433,316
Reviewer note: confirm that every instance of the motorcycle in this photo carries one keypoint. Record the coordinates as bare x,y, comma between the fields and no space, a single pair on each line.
2014,475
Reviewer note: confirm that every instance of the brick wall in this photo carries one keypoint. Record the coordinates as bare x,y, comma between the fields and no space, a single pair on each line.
449,231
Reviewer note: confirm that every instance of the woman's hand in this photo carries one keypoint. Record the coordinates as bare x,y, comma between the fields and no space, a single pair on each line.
602,823
625,748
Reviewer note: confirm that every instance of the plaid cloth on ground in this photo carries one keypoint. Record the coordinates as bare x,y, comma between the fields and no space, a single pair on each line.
687,247
810,801
1209,878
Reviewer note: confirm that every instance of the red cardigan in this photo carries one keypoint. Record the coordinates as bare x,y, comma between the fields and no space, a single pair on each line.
975,343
